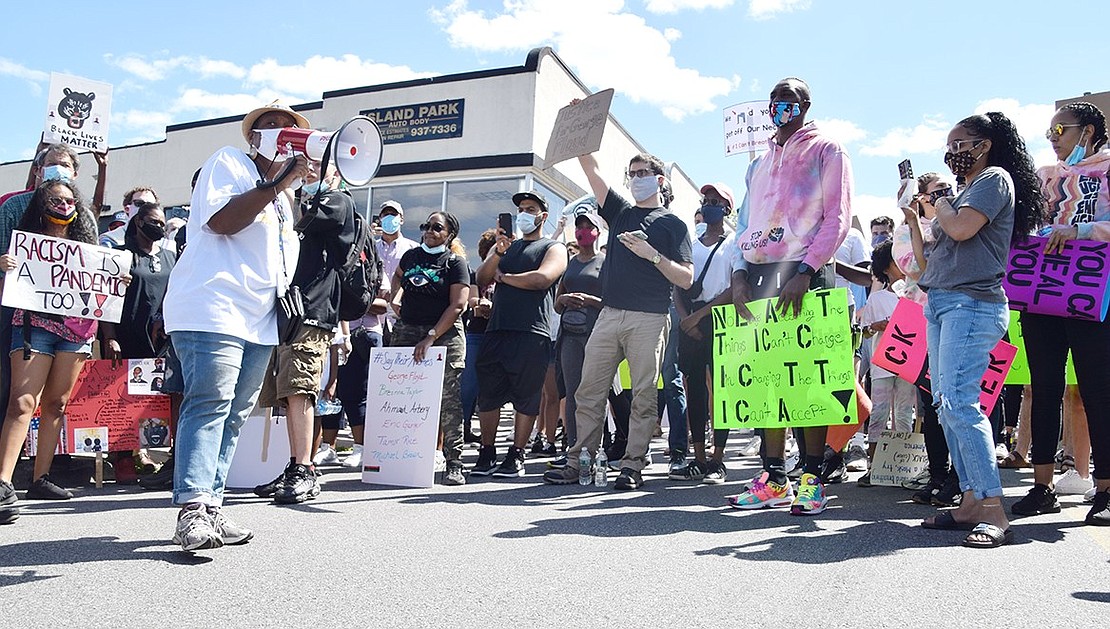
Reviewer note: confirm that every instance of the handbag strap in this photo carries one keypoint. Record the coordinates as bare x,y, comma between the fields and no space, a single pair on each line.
709,260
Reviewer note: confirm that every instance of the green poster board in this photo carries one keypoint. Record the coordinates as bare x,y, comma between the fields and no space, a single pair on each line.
1019,371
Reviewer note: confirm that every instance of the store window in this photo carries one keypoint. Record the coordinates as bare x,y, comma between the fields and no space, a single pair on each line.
555,207
418,200
477,204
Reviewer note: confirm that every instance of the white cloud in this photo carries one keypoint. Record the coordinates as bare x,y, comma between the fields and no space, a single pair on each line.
1031,120
319,74
19,71
211,105
158,69
594,36
843,131
927,137
674,6
672,34
766,9
869,206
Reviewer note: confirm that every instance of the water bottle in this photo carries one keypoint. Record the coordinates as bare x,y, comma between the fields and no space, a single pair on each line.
601,471
327,406
584,475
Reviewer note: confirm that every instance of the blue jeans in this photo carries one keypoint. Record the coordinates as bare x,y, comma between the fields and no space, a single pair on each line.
672,395
962,331
223,376
469,383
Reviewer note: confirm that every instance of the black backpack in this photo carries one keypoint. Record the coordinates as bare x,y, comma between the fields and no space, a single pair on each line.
360,276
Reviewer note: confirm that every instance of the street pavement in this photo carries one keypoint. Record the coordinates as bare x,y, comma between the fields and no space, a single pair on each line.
512,553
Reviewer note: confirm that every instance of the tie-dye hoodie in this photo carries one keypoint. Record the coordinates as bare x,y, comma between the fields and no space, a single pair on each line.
1079,195
798,206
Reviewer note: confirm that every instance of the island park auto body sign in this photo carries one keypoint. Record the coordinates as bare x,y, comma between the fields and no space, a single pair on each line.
421,121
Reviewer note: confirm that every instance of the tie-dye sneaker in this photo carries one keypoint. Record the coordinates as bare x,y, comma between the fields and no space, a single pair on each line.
811,498
763,494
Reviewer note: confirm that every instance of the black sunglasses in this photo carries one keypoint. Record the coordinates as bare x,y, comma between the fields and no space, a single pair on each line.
432,227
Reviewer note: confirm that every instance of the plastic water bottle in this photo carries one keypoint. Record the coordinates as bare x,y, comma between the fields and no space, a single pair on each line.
584,475
328,406
601,471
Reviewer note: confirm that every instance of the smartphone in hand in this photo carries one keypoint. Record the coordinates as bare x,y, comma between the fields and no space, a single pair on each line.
505,222
639,233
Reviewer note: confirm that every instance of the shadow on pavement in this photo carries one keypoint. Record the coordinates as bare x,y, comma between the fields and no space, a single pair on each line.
86,550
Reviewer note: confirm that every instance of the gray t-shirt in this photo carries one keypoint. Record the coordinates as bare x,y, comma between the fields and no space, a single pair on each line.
975,266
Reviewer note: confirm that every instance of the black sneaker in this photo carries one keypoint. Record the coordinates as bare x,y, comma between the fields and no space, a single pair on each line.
1099,515
558,463
548,449
299,484
949,494
1040,499
46,489
160,480
470,437
715,473
924,496
694,470
454,475
833,470
269,489
487,461
537,445
7,493
628,479
512,466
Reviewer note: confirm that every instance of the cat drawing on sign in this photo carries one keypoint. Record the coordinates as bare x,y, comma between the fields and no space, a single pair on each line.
76,107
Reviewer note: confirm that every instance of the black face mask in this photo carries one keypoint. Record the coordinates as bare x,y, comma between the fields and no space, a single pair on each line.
153,231
959,163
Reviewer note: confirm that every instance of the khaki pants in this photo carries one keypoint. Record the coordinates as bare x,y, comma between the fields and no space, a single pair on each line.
618,334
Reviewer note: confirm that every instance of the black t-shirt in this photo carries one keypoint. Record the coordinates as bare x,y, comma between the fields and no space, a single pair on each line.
472,322
630,282
516,309
325,241
426,280
150,274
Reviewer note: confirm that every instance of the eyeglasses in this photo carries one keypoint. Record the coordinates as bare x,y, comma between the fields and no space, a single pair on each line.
57,201
1057,130
643,172
432,227
958,146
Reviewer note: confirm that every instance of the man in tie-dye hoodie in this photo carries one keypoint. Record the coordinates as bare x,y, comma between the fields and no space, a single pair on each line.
794,217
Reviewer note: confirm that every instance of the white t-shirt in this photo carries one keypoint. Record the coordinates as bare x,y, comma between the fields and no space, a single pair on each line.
228,284
854,250
720,267
880,305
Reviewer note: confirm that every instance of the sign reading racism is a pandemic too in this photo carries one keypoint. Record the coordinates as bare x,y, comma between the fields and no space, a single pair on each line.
66,277
77,112
1071,282
778,370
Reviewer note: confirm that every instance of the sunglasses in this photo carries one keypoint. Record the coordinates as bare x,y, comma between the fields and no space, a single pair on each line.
958,146
58,201
1057,130
433,227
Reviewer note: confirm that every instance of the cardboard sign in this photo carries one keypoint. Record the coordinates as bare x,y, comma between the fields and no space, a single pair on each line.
578,128
402,416
899,456
77,112
64,277
1070,283
747,127
903,350
779,371
100,402
1019,370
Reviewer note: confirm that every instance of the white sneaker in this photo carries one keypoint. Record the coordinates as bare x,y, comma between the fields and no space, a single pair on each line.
752,448
1001,451
195,529
1070,483
325,455
441,462
354,459
1089,497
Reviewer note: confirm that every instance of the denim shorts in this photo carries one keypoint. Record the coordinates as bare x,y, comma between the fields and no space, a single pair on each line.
44,342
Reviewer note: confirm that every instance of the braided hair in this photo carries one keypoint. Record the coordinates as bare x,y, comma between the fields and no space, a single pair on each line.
1088,114
1008,152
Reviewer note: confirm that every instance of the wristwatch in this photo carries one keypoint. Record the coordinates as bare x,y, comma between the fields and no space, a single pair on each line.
656,258
805,269
432,333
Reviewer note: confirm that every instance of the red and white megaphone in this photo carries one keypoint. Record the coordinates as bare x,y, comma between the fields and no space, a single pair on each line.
355,148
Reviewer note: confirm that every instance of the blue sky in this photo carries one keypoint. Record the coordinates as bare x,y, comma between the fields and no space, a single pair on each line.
889,79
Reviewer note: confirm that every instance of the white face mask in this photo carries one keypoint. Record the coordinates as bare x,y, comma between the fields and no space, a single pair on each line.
643,187
527,223
699,229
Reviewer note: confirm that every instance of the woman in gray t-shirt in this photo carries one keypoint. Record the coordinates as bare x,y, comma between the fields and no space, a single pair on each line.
1000,202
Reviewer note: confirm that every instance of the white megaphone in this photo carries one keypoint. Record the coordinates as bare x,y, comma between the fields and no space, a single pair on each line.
355,148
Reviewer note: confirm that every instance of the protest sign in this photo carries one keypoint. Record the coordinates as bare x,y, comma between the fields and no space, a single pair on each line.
1019,371
77,112
903,350
578,128
747,127
1069,283
899,456
779,371
101,408
65,277
402,416
31,445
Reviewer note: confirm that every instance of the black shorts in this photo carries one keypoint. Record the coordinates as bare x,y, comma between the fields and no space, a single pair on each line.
767,280
511,367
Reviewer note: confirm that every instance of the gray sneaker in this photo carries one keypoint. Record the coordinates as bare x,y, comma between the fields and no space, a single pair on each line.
231,534
195,530
563,476
454,475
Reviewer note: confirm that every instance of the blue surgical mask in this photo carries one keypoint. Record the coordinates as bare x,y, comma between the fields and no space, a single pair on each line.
526,223
879,239
699,229
391,224
783,113
712,213
643,188
311,188
1077,153
59,173
434,250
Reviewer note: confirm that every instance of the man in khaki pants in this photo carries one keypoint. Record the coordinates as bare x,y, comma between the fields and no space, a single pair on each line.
648,251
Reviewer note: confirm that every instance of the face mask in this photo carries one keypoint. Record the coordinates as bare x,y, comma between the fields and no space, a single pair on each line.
643,187
62,215
1077,153
526,222
960,163
312,188
434,250
153,231
783,113
699,229
55,172
585,236
879,239
391,224
712,213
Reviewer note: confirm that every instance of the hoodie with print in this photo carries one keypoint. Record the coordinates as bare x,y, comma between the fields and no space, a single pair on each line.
1079,195
798,204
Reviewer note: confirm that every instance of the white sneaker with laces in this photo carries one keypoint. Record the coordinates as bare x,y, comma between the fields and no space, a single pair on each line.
441,462
325,455
354,459
752,448
1070,483
1089,497
195,529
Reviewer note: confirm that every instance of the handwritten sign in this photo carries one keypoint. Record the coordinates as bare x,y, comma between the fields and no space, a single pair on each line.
100,400
1070,283
1019,371
903,350
77,112
779,371
66,277
747,127
578,128
899,456
402,416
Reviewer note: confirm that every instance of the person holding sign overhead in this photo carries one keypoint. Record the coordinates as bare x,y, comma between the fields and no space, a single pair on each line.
1001,203
795,215
1078,193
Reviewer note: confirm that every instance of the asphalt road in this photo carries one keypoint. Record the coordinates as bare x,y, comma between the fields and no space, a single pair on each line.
499,553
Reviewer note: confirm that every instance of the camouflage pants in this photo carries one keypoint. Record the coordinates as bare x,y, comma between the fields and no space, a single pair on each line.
450,406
